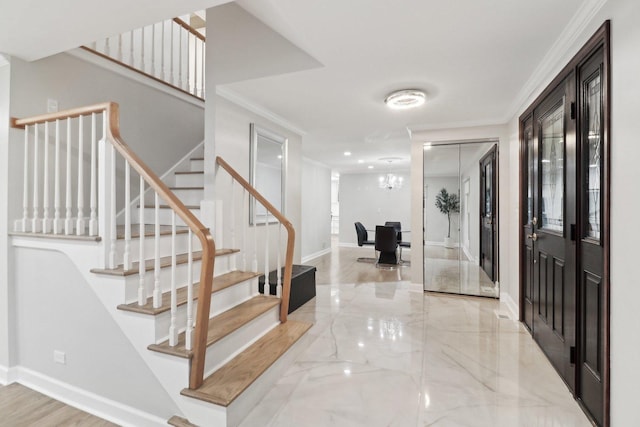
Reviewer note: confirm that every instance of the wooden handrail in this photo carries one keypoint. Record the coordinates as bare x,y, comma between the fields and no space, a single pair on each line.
291,234
189,28
111,109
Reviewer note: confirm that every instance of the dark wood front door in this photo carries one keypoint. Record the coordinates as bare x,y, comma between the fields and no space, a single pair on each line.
591,356
488,213
565,221
554,286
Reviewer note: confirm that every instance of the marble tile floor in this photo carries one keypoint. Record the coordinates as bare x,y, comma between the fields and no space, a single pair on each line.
381,354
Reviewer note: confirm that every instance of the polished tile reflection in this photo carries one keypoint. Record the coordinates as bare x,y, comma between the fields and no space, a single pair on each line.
381,354
444,272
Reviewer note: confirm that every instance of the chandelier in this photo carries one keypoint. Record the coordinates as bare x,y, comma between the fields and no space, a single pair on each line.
390,181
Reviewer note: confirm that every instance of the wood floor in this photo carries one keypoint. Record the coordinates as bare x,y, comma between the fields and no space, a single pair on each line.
22,407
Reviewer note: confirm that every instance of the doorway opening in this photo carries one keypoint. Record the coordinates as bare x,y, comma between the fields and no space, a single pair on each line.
460,218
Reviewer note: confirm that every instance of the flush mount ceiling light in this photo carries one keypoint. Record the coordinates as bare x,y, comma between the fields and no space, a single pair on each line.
405,99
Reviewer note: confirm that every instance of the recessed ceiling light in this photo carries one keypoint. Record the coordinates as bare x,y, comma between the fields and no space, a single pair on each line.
405,98
370,167
347,153
427,146
360,161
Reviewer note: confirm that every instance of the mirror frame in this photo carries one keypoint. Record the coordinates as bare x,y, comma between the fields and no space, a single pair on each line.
258,134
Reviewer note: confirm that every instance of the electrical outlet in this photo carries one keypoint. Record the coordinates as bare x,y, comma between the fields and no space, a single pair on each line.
59,357
52,105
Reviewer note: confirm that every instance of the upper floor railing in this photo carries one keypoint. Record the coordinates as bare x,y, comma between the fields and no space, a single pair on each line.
171,52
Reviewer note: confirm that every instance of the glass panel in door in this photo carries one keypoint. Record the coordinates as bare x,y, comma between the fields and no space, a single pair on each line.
593,168
552,168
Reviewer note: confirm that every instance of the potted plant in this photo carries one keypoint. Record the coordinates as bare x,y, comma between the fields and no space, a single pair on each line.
448,204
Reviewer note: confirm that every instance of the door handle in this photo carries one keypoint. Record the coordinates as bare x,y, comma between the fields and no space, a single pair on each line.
532,236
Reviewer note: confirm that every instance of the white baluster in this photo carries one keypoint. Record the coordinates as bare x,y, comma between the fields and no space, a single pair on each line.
162,48
56,176
25,183
278,268
127,217
68,223
113,235
189,331
132,61
154,70
120,47
35,222
245,229
188,63
107,47
233,224
195,66
202,65
254,264
142,294
173,329
157,292
93,202
172,77
45,189
180,77
80,220
267,289
143,63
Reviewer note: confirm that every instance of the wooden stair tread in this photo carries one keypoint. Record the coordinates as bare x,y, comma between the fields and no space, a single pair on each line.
222,325
219,283
227,383
177,421
149,230
164,263
190,207
189,172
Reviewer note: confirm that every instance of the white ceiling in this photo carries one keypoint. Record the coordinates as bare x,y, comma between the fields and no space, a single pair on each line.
471,57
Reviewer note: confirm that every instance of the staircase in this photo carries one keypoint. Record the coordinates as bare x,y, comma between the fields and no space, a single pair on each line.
247,341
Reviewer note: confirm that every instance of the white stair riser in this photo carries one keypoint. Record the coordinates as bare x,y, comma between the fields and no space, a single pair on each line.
182,245
132,282
164,215
196,165
220,302
189,180
190,197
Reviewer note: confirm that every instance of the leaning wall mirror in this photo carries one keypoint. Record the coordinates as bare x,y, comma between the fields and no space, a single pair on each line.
267,172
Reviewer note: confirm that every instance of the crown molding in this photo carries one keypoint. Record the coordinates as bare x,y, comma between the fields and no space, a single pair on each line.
232,96
556,58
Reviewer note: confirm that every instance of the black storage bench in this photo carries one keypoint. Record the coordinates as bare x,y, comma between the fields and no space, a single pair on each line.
303,284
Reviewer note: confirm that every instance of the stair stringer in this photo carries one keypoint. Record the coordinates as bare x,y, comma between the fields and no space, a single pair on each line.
172,372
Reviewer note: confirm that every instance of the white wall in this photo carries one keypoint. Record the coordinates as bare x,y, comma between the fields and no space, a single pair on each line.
232,142
316,208
160,128
362,199
625,203
56,309
436,223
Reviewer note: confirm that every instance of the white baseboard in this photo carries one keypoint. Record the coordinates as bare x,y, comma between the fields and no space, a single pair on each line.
315,255
349,245
416,287
7,375
429,243
511,305
92,403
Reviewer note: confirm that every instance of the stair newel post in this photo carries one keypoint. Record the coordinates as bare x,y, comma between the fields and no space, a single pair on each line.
25,183
173,329
189,331
232,207
157,292
105,171
113,236
127,216
286,281
45,187
68,223
142,294
93,215
80,201
56,178
245,229
278,268
35,223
